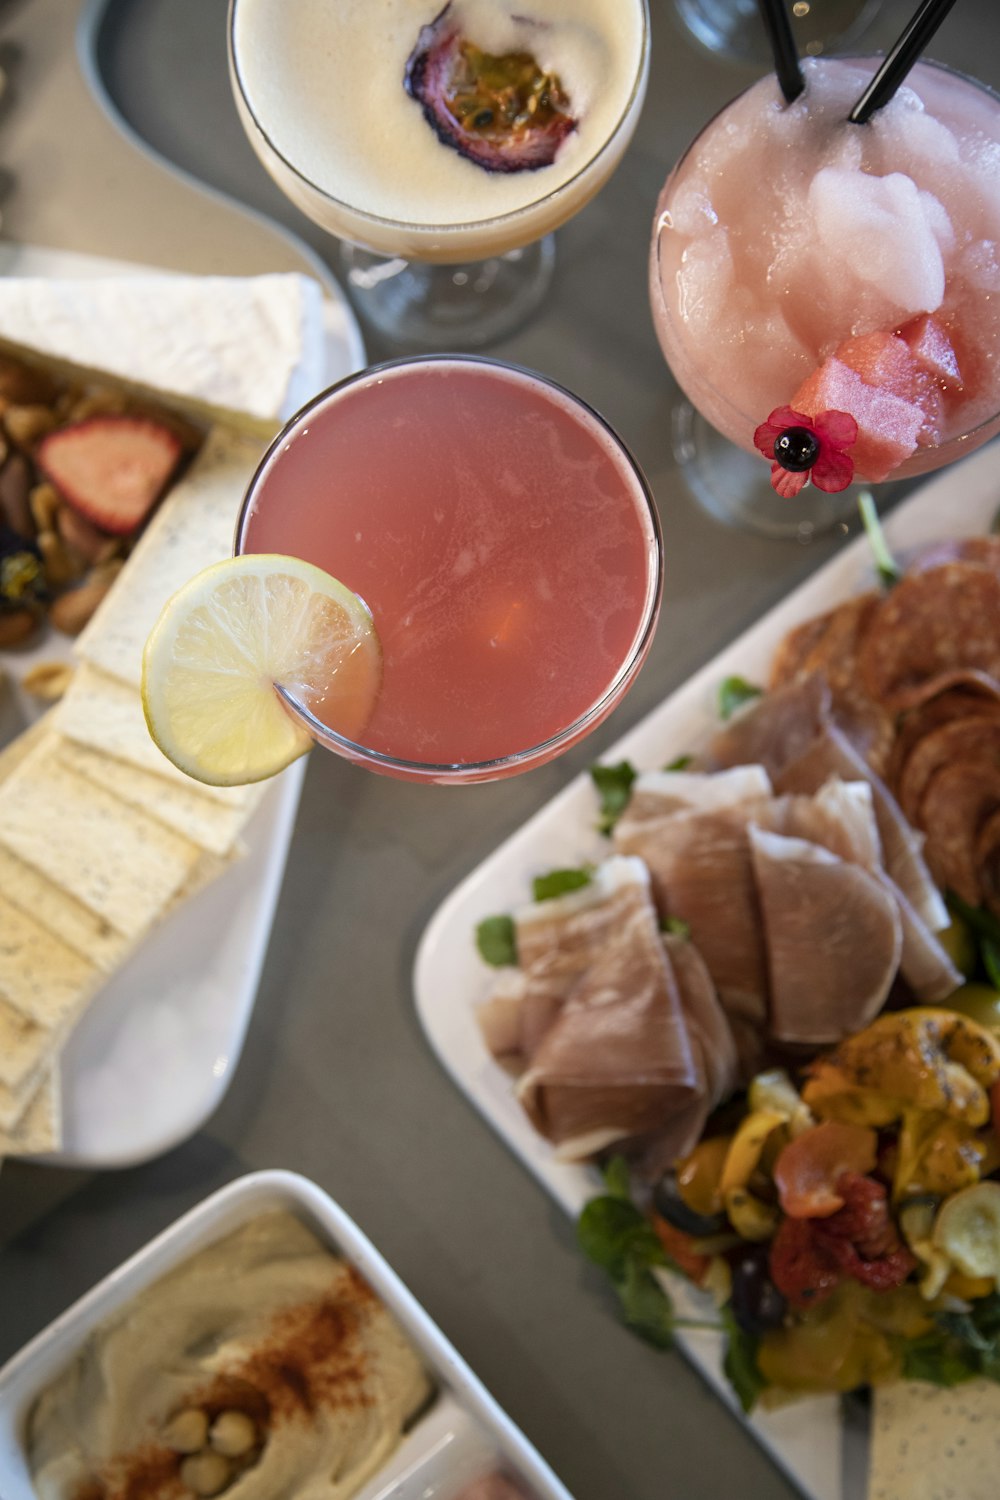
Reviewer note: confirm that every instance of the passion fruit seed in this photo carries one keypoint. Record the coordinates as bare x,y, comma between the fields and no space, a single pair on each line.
796,449
499,110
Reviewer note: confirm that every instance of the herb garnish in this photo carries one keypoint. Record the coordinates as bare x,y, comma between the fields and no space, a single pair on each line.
740,1361
676,926
559,883
733,693
886,567
986,930
616,1236
963,1346
614,787
497,941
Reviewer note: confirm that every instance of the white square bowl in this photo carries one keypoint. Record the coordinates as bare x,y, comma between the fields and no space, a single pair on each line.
464,1433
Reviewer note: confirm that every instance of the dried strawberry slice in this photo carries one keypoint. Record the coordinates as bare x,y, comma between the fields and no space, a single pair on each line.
502,112
111,468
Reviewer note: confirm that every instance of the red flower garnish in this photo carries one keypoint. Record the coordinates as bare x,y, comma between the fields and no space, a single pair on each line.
807,448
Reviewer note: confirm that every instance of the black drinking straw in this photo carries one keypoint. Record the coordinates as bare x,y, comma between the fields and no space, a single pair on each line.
786,58
898,62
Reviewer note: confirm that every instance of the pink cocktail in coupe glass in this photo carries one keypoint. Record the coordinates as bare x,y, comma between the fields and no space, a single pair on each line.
504,540
801,261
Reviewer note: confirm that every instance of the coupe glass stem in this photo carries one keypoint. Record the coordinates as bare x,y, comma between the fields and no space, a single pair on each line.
419,305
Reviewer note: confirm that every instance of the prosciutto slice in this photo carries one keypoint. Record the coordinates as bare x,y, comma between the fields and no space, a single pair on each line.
657,794
830,646
715,1055
776,730
615,1060
702,875
831,754
833,939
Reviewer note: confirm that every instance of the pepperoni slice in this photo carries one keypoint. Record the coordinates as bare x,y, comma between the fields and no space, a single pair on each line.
932,624
973,737
956,804
952,703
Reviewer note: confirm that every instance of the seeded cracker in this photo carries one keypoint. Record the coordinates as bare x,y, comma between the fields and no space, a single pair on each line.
41,977
23,1046
122,865
40,1128
100,711
91,936
206,821
15,1102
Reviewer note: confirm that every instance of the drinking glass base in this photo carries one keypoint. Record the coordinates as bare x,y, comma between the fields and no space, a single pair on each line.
465,306
735,487
733,28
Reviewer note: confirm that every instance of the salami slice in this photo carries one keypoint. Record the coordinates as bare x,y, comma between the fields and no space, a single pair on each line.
958,801
828,646
935,622
953,703
988,862
974,737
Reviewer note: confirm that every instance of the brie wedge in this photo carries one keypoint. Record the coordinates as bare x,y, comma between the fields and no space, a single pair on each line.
247,350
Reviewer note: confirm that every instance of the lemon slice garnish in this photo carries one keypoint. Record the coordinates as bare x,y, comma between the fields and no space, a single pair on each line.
228,638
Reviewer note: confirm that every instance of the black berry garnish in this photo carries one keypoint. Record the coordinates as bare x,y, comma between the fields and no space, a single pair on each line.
796,449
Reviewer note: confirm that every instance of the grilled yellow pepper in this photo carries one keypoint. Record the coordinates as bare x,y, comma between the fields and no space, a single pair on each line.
922,1059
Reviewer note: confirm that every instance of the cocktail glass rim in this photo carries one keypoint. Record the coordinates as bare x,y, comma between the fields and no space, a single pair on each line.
518,760
456,225
959,440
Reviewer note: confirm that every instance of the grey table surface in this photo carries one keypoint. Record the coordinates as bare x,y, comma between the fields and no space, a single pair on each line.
336,1080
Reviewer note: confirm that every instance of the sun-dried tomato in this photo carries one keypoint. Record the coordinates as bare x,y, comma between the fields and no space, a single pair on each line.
881,1274
864,1220
802,1268
810,1256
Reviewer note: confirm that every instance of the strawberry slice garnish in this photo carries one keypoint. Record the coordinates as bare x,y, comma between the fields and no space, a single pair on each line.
111,468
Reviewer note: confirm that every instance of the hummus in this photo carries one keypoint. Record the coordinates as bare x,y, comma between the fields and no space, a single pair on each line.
262,1368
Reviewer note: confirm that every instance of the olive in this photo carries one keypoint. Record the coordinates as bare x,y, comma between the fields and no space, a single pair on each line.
958,941
980,1002
756,1303
670,1205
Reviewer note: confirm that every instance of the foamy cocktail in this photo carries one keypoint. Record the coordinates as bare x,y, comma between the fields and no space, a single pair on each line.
390,122
504,541
800,261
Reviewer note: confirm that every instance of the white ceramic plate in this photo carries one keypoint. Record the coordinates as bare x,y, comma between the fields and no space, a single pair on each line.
809,1440
463,1435
156,1050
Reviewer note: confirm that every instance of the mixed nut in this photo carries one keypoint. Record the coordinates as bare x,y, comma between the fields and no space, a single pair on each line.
81,469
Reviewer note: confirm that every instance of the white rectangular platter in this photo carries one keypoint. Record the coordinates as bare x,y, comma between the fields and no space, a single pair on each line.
810,1440
157,1049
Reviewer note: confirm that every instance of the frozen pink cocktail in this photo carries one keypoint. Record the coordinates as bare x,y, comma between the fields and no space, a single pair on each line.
502,537
801,261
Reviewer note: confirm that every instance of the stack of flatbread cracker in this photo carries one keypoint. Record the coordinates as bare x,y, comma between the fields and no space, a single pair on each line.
100,835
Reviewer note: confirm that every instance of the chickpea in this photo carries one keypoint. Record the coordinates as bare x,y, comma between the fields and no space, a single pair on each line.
206,1473
233,1433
